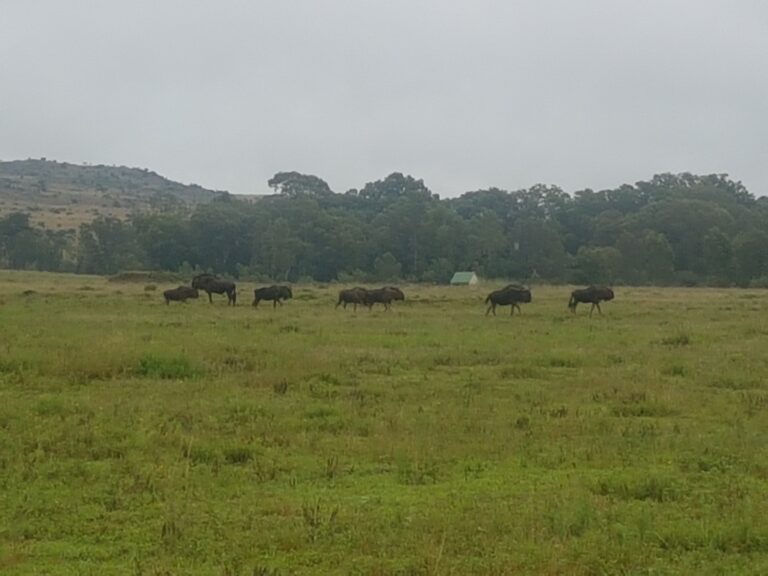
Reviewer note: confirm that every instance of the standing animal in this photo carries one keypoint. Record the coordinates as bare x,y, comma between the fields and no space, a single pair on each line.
383,296
511,294
399,295
214,285
590,295
274,293
352,296
180,294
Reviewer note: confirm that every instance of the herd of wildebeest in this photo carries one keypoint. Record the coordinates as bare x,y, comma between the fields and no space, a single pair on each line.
511,295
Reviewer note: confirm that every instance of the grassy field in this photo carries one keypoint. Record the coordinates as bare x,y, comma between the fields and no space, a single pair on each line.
140,438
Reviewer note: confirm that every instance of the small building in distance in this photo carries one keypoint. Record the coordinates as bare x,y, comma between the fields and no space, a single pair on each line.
464,279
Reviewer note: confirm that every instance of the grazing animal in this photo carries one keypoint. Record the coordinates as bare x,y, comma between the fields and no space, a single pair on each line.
214,285
275,293
352,296
399,295
180,294
590,295
383,296
511,294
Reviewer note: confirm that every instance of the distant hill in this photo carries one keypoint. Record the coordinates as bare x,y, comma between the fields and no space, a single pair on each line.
61,196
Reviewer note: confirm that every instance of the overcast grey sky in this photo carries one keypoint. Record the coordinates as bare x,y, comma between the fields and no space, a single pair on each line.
466,95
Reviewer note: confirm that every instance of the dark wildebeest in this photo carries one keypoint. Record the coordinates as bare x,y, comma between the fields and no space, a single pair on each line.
180,294
510,295
592,295
274,293
383,296
397,292
213,285
352,296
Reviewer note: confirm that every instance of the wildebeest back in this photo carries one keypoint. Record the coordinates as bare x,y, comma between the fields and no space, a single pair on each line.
274,293
180,294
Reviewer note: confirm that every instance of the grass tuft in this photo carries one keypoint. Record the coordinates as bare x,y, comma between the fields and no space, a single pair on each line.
166,367
676,340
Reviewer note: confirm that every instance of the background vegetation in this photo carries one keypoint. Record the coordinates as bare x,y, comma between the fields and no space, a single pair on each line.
140,438
673,229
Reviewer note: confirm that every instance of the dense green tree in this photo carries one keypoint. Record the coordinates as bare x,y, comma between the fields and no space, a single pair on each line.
439,271
23,246
537,251
277,252
750,256
646,257
717,252
685,223
297,184
108,245
220,234
166,239
487,248
597,265
671,228
386,268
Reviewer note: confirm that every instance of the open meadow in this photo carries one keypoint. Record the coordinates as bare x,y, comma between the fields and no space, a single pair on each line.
139,438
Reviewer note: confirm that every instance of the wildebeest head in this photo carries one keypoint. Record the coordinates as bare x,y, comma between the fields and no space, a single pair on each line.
397,294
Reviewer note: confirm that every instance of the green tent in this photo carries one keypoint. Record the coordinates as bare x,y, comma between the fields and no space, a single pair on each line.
464,279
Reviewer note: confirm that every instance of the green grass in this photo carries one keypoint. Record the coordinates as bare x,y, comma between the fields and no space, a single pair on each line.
140,438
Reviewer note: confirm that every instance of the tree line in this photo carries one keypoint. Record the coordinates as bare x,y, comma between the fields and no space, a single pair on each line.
672,229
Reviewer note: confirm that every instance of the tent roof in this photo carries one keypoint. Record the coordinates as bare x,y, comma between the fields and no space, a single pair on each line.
462,277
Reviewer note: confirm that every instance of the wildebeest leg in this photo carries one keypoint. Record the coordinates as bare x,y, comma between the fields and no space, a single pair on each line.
598,307
280,302
592,309
274,304
210,298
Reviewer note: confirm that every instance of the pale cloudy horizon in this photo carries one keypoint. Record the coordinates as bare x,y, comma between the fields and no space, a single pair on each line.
464,95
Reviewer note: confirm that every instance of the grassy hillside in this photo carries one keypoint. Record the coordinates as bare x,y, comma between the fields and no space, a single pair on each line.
140,438
61,196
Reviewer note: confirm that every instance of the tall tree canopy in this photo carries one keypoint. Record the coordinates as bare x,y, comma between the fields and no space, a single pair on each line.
673,228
